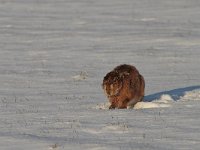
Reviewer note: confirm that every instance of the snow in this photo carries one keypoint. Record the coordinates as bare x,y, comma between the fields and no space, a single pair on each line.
81,76
54,55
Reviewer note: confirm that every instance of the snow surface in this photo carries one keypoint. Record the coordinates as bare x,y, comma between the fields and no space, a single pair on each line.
54,55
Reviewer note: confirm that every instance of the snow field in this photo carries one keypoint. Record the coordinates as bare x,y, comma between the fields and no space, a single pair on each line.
54,55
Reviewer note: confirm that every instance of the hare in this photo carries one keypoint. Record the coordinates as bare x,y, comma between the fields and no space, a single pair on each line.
124,86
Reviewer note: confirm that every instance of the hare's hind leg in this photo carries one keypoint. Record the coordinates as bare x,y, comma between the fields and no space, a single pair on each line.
132,103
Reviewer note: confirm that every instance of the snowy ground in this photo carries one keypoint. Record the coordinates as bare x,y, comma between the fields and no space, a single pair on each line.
54,55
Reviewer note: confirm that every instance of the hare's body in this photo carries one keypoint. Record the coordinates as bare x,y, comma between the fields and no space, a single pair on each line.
124,86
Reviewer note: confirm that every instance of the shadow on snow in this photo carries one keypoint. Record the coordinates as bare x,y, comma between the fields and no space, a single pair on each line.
176,94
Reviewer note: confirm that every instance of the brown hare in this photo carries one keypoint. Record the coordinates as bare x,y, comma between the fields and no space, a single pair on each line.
124,86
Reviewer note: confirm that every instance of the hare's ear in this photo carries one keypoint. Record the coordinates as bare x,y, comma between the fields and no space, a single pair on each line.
134,83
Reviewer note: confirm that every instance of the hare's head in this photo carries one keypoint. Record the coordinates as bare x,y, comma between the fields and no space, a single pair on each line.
112,84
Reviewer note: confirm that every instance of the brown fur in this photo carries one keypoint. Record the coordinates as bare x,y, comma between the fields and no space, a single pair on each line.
124,86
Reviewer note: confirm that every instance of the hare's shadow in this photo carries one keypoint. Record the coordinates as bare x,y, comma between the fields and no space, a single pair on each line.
176,94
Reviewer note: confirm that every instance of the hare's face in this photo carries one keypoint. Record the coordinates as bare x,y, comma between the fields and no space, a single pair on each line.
112,89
